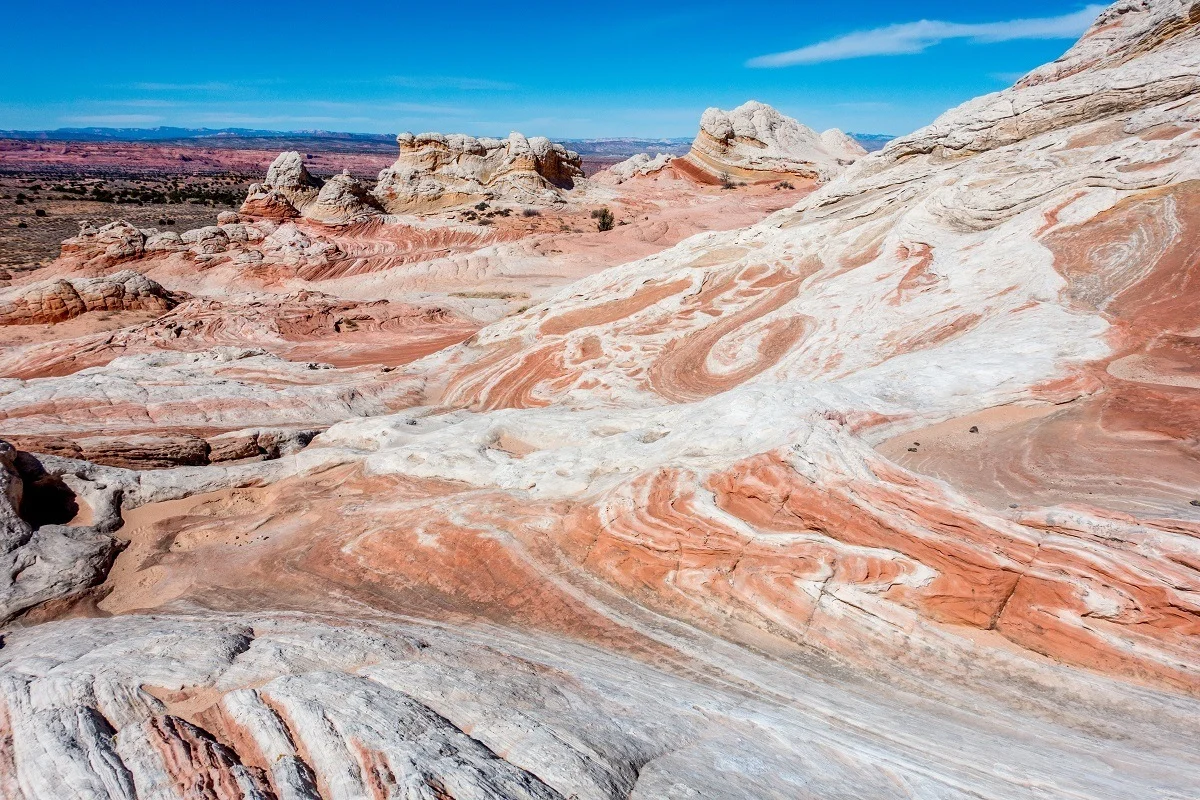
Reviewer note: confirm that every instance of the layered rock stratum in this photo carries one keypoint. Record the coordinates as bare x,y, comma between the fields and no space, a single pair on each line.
891,493
435,170
754,142
63,299
290,191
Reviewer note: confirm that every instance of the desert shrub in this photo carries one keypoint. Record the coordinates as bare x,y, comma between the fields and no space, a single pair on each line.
530,212
784,185
604,219
22,225
726,181
481,205
41,212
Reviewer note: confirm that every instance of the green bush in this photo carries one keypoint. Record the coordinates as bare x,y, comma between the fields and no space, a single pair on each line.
604,219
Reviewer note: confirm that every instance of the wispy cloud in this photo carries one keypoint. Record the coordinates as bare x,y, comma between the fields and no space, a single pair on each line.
113,120
418,109
211,86
444,82
916,37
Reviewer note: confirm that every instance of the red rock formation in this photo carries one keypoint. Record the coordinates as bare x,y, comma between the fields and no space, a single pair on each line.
59,300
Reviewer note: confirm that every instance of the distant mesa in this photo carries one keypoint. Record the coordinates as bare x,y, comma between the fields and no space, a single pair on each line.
753,143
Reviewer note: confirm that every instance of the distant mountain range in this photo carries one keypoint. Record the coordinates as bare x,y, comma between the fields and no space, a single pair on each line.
872,141
328,141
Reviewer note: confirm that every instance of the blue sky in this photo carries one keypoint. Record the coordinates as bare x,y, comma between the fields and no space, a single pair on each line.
615,68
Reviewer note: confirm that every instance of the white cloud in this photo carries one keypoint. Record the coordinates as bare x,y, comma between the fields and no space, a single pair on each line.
443,82
915,37
182,87
113,120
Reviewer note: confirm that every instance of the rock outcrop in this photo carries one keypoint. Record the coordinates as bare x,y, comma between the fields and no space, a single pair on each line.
436,171
108,244
59,300
141,451
342,199
43,557
635,166
289,191
755,143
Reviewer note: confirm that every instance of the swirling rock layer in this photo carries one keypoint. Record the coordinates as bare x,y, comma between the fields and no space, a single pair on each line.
891,494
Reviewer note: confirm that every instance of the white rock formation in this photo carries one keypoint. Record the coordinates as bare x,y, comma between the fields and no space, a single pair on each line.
342,199
757,143
634,166
435,170
290,191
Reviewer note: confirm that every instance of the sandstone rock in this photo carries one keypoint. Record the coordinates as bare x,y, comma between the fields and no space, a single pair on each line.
436,170
292,247
208,240
756,143
286,192
164,242
107,245
269,203
342,199
59,300
640,164
667,532
258,443
1013,255
47,560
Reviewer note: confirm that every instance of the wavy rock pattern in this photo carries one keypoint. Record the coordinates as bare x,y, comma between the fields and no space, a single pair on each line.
888,495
